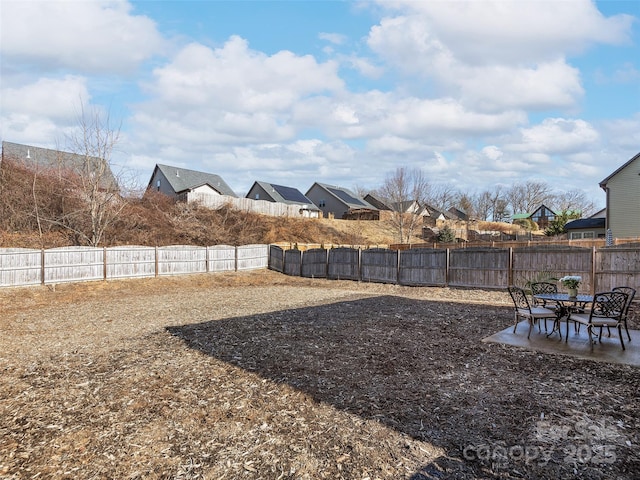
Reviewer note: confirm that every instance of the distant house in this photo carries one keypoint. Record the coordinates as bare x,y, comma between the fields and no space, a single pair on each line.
271,192
586,228
47,161
181,183
622,188
380,204
409,206
542,216
339,202
458,214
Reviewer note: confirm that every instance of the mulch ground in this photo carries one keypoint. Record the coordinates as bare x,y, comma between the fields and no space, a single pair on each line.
263,376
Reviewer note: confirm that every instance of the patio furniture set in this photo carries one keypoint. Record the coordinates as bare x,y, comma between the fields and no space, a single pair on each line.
605,309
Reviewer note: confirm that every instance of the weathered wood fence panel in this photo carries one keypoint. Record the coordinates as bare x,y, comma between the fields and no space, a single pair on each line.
479,267
530,262
252,257
181,259
130,262
379,265
20,266
293,262
344,264
221,258
276,258
73,264
423,267
314,263
617,267
274,209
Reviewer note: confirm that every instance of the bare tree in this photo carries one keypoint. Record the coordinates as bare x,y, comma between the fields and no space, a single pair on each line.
441,196
87,196
574,201
405,191
526,197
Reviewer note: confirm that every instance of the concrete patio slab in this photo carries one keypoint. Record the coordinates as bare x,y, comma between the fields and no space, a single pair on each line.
609,350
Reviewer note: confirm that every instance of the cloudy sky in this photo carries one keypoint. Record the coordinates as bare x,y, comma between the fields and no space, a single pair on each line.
475,93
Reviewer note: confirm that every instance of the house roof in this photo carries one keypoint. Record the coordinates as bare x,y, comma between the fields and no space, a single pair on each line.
182,179
435,213
49,159
283,194
376,202
603,183
456,212
585,223
345,196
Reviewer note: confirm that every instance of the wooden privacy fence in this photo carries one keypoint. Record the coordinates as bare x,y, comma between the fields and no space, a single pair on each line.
600,269
19,267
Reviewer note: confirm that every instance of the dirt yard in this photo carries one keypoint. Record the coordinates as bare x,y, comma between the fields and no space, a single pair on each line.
262,376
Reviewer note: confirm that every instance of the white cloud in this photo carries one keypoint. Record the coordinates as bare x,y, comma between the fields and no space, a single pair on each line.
513,32
236,77
495,55
86,36
40,112
558,136
335,38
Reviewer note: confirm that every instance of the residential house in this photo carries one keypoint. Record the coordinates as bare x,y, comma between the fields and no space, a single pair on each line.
586,228
622,190
380,204
46,161
435,217
542,216
458,214
271,192
339,202
184,184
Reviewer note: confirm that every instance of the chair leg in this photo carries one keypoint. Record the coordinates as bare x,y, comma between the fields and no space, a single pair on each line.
531,322
515,325
620,333
590,339
627,329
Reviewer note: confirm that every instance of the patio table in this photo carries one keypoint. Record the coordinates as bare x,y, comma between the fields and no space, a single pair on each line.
565,305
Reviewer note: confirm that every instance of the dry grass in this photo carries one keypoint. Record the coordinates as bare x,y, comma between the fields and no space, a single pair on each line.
259,375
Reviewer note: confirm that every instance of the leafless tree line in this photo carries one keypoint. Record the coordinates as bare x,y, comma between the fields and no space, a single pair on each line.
497,204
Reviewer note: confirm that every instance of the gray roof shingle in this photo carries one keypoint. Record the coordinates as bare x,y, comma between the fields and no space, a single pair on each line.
182,179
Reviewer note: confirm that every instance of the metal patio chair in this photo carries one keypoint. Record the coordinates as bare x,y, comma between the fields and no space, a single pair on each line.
544,287
607,310
523,309
631,292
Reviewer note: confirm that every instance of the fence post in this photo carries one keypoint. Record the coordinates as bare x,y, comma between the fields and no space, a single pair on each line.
206,259
593,271
446,269
42,266
157,262
235,258
104,263
510,273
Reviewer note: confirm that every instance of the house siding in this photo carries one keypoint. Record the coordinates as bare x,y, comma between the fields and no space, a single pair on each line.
332,206
261,192
623,203
165,187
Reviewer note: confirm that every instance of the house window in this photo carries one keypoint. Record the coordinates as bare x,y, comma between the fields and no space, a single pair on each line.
581,235
158,185
322,204
257,196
